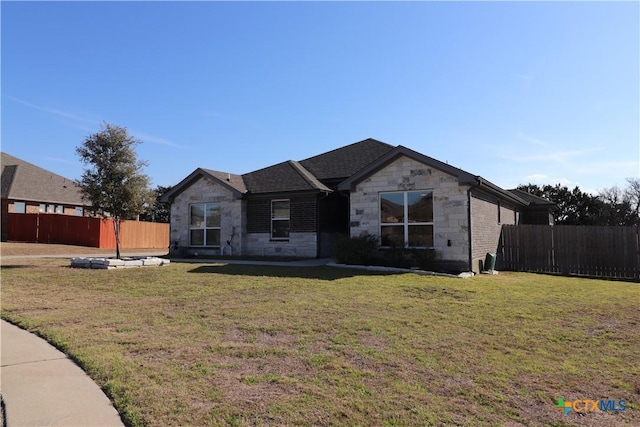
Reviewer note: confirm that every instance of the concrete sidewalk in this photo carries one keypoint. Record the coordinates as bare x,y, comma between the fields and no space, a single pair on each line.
312,262
41,386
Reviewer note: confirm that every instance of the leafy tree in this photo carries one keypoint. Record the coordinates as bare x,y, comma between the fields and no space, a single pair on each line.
158,212
113,182
611,206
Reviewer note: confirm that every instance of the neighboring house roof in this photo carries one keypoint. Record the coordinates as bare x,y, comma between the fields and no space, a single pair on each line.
24,181
233,182
343,162
283,177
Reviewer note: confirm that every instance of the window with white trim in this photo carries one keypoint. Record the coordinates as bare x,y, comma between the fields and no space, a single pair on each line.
280,219
204,225
406,219
79,211
43,208
60,209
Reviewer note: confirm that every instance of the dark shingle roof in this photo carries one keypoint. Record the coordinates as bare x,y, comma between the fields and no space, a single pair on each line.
232,180
532,199
283,177
343,162
24,181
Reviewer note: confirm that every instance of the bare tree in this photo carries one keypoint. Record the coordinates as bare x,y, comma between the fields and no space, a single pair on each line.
632,192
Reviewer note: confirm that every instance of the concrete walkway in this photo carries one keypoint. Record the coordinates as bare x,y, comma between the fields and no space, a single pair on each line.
312,262
41,386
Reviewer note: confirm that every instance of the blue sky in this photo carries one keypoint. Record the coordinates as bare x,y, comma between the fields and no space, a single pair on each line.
517,92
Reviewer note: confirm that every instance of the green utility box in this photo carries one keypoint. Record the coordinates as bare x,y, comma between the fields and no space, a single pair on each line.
490,262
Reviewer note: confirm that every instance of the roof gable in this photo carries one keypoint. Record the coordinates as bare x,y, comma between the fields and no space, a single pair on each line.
233,182
22,180
395,153
462,176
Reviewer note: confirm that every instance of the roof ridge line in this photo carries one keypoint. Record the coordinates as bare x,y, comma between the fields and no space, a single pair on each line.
307,175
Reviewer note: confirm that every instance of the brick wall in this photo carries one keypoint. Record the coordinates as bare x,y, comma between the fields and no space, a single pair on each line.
486,224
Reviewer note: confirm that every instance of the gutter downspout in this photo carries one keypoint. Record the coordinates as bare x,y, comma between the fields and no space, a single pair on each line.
469,190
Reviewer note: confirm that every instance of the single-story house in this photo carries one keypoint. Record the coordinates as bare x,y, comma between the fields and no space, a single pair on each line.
300,208
27,188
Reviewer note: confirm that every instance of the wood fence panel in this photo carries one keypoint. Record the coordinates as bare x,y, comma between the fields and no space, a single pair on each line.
138,234
602,251
85,231
22,227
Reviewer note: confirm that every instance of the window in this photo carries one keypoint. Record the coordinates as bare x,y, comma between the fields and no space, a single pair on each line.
280,214
51,208
43,208
19,207
60,209
205,225
406,219
79,211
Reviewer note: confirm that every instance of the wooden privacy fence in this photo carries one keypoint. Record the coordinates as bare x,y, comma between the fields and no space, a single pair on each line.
603,251
85,231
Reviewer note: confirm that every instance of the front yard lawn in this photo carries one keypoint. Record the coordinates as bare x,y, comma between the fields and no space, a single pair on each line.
194,344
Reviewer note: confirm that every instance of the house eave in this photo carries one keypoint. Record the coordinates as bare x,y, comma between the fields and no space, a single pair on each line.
170,195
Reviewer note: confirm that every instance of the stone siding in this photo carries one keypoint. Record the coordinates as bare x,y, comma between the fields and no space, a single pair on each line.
298,245
450,225
206,191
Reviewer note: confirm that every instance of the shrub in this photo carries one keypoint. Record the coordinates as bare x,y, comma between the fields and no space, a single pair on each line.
423,259
356,250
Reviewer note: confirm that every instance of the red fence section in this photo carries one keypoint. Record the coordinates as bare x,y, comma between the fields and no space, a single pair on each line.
85,231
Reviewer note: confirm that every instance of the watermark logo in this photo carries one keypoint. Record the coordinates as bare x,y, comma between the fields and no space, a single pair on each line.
587,405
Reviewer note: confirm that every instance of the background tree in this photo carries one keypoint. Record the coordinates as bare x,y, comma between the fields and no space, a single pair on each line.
632,192
610,206
158,212
113,182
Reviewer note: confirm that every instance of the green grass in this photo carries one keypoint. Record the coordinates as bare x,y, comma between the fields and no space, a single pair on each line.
245,345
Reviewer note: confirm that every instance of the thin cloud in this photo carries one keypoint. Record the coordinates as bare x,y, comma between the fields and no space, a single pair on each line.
144,137
54,111
542,179
549,152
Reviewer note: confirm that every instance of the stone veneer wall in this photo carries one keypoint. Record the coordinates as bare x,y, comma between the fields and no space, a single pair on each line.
449,204
485,228
298,245
207,191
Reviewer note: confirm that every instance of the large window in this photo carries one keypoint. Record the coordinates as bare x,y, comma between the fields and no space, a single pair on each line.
280,215
205,225
406,219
